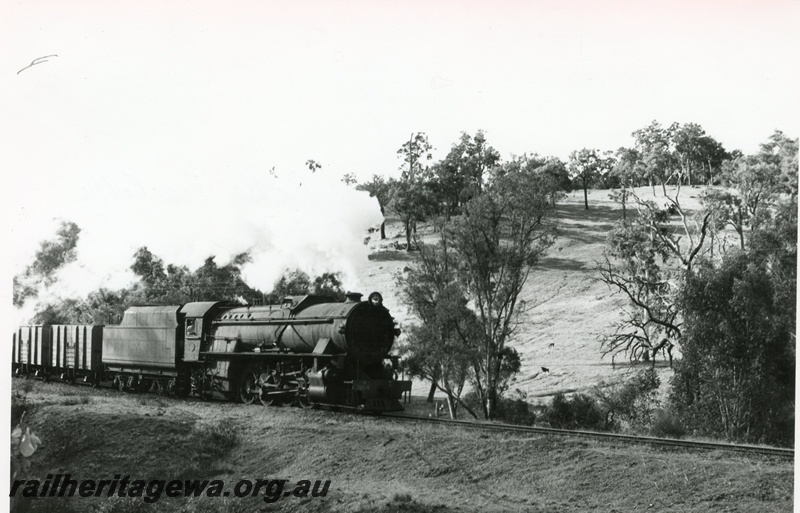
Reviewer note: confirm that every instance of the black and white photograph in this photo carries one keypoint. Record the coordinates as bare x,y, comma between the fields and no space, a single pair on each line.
418,257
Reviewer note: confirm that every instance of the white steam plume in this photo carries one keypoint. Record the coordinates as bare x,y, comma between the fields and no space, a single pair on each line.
308,221
169,143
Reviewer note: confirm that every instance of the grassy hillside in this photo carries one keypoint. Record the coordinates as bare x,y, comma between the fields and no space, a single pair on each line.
373,464
574,309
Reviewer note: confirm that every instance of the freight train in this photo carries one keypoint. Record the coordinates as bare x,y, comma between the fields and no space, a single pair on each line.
309,350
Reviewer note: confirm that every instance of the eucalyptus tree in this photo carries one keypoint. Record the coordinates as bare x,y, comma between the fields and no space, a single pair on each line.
381,189
52,255
412,195
654,144
498,239
586,166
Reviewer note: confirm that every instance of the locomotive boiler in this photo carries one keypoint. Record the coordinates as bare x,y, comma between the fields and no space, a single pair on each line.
308,350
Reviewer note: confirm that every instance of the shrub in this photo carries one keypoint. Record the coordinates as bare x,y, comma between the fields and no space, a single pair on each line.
736,377
633,402
71,401
511,410
579,411
20,403
515,411
18,407
667,424
402,497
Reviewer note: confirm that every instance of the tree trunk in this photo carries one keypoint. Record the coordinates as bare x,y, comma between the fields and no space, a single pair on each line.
433,388
451,406
710,173
408,235
624,210
383,230
491,403
585,196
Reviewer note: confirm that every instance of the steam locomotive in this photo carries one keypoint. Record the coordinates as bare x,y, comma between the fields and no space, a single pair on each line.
309,350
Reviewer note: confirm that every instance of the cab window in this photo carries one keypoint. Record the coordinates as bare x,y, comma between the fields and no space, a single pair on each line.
191,330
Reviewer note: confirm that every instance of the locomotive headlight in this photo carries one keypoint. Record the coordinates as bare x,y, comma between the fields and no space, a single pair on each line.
375,299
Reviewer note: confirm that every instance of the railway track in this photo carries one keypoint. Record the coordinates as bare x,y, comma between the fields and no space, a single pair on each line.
632,439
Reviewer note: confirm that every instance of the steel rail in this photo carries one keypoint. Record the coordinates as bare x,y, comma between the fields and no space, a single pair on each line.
634,439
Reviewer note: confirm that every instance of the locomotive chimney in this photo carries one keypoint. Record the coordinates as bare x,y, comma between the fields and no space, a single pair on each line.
353,297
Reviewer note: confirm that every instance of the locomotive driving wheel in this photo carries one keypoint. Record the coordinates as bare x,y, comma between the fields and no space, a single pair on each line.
268,382
302,398
249,387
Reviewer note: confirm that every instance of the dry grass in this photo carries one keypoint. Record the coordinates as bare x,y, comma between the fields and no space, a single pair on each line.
378,465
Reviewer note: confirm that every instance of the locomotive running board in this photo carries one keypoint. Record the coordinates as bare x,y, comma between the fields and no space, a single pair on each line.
281,322
265,355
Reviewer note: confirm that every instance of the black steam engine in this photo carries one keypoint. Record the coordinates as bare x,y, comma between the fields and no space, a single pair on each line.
308,350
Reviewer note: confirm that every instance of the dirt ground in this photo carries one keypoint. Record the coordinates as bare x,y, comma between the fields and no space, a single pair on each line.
373,463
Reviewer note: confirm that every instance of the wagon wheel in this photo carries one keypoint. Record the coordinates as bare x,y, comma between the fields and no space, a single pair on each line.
207,387
158,387
248,387
141,386
268,383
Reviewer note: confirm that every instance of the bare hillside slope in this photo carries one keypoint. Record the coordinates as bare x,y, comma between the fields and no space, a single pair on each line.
574,309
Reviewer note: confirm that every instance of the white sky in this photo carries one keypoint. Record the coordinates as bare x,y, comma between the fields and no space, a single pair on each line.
158,121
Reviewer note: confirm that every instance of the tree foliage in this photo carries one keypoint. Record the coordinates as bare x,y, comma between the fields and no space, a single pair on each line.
585,167
51,256
696,153
647,259
381,189
413,199
736,377
441,348
782,151
684,152
500,236
171,284
465,289
299,283
633,403
464,172
755,182
658,163
580,411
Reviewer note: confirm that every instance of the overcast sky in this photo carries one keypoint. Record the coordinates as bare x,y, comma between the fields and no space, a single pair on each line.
177,111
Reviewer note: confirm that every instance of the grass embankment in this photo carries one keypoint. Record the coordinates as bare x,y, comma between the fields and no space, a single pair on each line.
373,463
